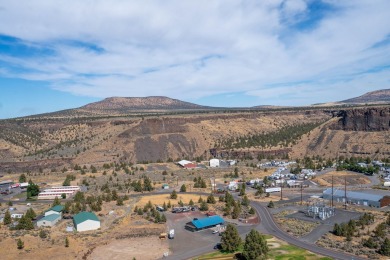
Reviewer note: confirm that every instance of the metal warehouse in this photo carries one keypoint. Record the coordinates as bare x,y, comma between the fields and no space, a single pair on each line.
204,223
357,197
85,221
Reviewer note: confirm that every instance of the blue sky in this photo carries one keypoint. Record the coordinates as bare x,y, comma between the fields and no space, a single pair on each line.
64,54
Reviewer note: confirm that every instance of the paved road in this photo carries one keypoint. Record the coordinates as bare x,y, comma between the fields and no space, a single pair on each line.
269,226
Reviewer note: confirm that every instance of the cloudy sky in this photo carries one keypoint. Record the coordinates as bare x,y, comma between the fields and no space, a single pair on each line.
64,54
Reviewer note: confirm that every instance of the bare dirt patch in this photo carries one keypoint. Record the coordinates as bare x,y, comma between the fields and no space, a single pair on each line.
140,248
339,178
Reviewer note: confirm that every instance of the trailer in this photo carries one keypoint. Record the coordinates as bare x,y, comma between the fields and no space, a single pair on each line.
276,189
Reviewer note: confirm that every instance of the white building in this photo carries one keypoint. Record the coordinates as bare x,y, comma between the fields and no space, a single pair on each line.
49,220
53,192
214,163
16,215
85,221
55,210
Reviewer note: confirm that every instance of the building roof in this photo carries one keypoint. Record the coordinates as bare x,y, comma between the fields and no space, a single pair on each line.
206,222
183,162
84,216
353,194
190,165
57,208
50,217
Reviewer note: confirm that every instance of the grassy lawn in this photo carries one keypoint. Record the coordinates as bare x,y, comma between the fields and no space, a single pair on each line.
21,195
279,250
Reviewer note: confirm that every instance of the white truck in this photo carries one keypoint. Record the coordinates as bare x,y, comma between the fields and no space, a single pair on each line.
386,184
276,189
171,234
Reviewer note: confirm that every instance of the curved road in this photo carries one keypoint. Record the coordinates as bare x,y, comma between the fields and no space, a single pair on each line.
269,226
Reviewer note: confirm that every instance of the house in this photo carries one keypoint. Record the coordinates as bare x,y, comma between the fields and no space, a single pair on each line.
16,215
85,221
49,220
357,197
55,210
204,223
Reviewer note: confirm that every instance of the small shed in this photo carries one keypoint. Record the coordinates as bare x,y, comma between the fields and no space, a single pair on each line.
55,210
49,220
85,221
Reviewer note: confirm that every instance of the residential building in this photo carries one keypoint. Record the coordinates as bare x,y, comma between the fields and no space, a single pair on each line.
49,220
55,210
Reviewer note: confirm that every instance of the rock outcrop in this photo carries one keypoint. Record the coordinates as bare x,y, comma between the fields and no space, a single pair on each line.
364,119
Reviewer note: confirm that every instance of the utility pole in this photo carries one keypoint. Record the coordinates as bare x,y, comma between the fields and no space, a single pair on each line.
345,192
301,194
281,190
332,193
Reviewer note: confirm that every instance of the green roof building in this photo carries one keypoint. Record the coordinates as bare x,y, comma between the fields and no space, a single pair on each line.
55,210
85,221
49,220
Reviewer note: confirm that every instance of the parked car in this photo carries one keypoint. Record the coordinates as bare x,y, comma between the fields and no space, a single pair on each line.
218,246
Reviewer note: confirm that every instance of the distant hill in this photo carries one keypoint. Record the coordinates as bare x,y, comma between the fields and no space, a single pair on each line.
123,104
115,106
378,96
374,97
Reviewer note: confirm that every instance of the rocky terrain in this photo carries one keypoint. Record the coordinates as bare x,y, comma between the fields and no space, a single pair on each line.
370,119
119,129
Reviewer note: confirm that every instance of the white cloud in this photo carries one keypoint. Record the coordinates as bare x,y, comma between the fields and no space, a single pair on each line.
192,49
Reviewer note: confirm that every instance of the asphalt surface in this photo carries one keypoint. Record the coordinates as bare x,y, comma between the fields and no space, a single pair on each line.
268,226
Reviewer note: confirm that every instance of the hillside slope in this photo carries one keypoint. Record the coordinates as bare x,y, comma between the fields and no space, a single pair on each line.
378,96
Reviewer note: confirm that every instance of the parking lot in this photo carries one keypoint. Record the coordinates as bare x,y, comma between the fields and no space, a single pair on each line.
187,242
10,194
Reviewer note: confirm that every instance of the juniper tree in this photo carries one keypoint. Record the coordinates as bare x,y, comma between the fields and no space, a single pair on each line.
7,218
230,240
20,244
173,195
255,246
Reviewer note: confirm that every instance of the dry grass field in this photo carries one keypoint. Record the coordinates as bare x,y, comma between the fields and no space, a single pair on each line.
160,199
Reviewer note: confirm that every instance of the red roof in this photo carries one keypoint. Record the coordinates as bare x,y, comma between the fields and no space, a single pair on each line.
190,165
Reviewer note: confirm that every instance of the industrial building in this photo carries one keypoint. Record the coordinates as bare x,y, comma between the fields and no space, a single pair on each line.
55,210
49,220
85,221
204,223
357,197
